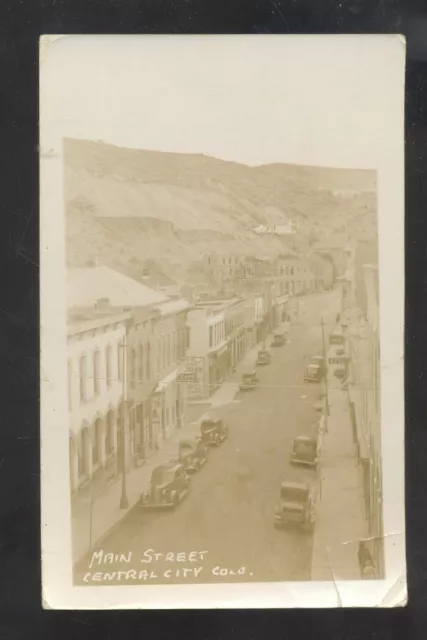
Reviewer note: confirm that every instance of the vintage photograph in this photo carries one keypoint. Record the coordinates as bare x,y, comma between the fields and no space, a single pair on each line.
222,285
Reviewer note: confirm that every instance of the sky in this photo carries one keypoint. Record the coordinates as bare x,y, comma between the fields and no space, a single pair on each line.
314,100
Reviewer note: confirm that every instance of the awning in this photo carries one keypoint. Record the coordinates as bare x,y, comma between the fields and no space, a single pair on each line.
163,384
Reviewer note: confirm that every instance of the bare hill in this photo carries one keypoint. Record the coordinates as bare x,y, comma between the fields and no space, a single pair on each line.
126,203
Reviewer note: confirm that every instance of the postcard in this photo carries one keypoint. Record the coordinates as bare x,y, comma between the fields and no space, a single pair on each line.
222,309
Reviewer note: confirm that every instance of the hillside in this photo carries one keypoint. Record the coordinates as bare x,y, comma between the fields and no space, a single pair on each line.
125,203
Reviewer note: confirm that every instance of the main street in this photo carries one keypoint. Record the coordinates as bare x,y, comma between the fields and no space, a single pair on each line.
229,511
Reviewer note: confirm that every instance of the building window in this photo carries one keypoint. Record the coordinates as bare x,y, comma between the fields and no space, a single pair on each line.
96,372
148,360
120,359
141,363
210,336
168,341
70,385
83,452
96,450
83,378
109,365
109,434
159,355
133,367
163,352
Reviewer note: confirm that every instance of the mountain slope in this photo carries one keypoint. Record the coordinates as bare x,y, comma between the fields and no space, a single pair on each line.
126,203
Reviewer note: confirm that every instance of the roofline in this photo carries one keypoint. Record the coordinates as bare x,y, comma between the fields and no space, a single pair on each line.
81,326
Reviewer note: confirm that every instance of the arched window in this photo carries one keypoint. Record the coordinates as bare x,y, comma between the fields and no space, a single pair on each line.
120,359
141,363
83,452
96,372
109,434
148,360
96,449
133,367
109,365
159,355
83,378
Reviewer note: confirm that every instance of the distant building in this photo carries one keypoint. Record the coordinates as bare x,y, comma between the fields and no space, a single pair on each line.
217,342
222,268
323,271
294,275
336,253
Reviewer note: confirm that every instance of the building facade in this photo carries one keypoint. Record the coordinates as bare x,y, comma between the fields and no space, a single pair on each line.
294,275
95,394
138,398
365,396
217,342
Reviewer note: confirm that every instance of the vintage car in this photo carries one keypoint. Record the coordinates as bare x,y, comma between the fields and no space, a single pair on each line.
213,431
313,373
296,506
169,486
249,381
264,357
305,450
320,361
193,454
279,338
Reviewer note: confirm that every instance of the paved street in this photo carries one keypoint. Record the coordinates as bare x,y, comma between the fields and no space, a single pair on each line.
228,513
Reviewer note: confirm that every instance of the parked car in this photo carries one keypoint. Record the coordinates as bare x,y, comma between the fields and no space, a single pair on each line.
169,486
193,454
320,362
305,450
313,373
279,338
249,381
297,506
213,431
264,357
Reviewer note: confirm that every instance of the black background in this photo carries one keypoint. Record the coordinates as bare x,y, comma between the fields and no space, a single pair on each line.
21,23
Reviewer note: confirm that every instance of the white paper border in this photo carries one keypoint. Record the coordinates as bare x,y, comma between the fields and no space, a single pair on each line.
58,591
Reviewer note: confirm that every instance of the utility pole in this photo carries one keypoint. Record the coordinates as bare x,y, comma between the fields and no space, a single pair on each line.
326,375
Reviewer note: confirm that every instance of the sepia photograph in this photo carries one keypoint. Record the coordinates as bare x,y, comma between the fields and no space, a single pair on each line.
222,321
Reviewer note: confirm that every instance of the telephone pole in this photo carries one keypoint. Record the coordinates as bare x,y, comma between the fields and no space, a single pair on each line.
326,375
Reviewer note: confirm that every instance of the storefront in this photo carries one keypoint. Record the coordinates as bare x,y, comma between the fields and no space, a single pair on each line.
219,366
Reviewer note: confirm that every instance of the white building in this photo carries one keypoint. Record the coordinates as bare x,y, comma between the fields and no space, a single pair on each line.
95,392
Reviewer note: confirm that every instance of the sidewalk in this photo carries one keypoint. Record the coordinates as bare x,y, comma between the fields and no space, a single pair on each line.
93,519
340,523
